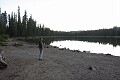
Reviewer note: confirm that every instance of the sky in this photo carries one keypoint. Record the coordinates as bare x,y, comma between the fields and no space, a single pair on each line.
68,15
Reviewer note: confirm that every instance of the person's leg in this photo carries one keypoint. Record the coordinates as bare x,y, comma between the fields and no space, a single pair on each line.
41,55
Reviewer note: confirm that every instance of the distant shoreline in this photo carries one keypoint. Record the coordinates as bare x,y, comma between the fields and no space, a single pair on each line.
81,36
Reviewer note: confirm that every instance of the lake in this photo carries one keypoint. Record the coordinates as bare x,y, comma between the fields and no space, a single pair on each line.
94,45
88,46
105,45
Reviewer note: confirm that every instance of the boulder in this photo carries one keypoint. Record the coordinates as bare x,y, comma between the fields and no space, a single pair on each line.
92,68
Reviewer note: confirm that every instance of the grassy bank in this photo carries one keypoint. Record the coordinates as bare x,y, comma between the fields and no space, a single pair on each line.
3,39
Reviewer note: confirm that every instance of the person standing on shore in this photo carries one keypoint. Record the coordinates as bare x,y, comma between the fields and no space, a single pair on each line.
41,49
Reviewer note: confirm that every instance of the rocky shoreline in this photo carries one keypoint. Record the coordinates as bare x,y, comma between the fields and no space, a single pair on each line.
58,64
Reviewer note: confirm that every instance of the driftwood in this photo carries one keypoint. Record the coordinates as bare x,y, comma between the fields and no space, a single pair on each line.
3,64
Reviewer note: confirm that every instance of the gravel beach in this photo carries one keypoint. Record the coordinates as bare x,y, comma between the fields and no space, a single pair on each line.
23,64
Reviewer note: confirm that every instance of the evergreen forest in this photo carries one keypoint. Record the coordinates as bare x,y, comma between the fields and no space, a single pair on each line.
15,25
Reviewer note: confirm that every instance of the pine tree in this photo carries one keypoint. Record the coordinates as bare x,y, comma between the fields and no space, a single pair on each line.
3,22
24,24
10,26
15,24
31,27
19,28
43,30
0,22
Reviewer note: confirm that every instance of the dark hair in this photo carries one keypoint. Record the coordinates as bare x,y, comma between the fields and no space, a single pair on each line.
40,39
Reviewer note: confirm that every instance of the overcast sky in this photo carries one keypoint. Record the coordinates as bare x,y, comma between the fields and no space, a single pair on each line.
69,15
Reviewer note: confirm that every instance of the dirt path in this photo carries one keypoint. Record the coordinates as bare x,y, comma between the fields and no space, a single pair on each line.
23,64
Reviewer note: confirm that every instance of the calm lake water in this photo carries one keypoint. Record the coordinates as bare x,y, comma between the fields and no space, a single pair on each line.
94,45
88,46
98,45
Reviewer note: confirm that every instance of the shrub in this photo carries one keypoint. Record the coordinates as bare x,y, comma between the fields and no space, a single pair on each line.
3,38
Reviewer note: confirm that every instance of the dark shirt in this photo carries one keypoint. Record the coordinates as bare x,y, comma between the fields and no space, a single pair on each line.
40,45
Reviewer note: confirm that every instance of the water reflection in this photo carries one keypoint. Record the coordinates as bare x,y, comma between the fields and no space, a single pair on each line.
88,46
101,40
98,45
103,45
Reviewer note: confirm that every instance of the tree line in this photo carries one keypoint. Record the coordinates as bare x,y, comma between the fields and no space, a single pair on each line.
16,26
115,31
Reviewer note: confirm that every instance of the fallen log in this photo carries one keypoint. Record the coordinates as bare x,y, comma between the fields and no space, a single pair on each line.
3,64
